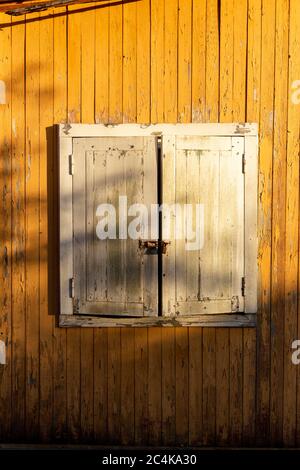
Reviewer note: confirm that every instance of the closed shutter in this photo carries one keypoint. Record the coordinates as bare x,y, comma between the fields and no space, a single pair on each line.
112,276
206,171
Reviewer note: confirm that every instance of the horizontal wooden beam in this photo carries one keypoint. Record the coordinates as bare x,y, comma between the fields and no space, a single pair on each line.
226,320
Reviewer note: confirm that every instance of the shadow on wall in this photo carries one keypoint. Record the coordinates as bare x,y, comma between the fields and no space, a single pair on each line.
28,20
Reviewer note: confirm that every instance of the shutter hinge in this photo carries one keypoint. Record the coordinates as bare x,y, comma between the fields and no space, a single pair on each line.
243,163
71,288
71,164
243,285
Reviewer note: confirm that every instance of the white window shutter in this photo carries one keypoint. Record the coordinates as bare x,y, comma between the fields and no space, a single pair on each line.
112,276
207,171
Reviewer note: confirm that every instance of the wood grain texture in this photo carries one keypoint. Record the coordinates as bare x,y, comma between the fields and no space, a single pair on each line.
18,231
265,220
5,230
278,220
32,202
290,411
47,143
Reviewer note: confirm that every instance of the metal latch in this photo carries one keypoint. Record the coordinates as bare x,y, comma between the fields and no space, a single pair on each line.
159,245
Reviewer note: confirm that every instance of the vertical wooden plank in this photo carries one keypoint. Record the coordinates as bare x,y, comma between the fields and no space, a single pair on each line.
291,416
114,385
46,148
60,334
168,386
169,195
184,60
170,61
195,386
157,60
278,221
115,63
154,384
222,386
265,191
32,228
100,384
226,60
249,386
18,228
236,386
240,59
73,335
149,264
74,65
5,228
212,61
127,386
143,61
198,60
193,197
182,386
210,192
98,269
129,62
209,386
141,386
116,267
254,60
181,182
251,211
135,164
253,115
88,48
231,221
87,335
101,64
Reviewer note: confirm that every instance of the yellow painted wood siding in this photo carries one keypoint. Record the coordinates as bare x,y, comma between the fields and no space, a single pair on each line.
147,61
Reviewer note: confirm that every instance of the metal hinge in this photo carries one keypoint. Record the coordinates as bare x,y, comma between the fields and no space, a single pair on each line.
243,163
243,285
71,287
71,164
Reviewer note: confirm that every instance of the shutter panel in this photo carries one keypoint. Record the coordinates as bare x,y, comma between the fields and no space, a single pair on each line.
112,276
209,171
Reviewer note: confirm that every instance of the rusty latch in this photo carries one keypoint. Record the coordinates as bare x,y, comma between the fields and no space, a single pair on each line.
159,245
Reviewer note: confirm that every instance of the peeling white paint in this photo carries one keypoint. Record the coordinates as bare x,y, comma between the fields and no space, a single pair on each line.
2,92
2,353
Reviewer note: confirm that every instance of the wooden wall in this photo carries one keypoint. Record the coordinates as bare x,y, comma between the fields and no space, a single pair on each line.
147,61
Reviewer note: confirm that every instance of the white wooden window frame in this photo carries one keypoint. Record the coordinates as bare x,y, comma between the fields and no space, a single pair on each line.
66,134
